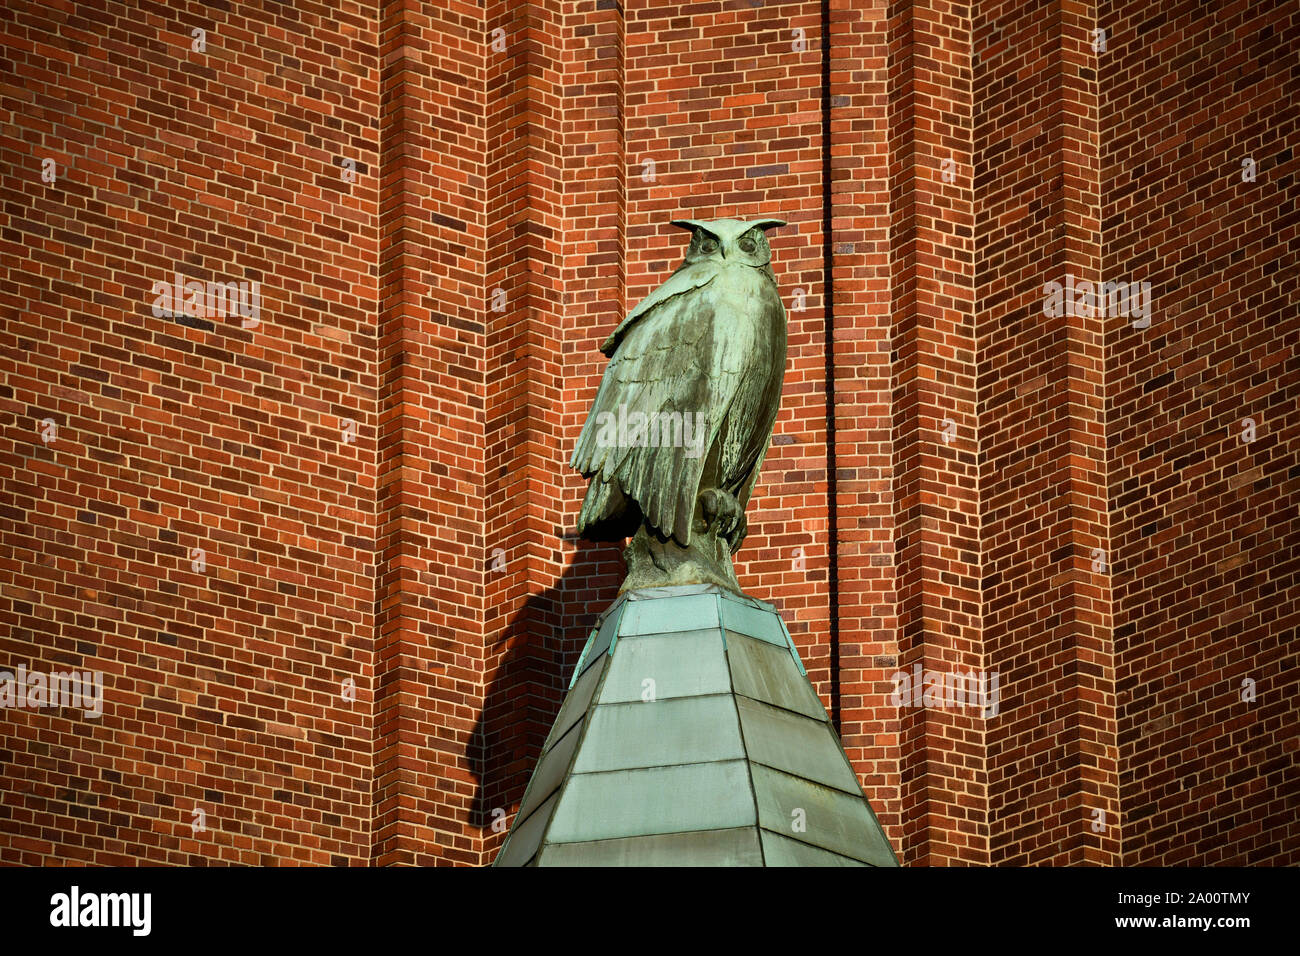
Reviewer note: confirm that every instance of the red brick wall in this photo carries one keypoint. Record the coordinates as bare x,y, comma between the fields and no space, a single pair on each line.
449,301
1051,752
1205,527
224,687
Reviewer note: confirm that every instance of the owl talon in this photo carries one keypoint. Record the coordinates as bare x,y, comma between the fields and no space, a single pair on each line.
723,513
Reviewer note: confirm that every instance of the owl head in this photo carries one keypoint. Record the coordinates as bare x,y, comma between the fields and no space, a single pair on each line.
729,240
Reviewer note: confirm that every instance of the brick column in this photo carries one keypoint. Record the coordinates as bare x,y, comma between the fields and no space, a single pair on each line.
431,543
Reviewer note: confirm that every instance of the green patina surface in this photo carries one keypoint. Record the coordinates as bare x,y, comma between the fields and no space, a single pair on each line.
690,736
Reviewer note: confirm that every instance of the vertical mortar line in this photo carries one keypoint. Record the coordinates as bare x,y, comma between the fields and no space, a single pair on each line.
620,35
902,220
1070,262
1081,131
491,152
1094,127
372,853
535,614
391,536
828,312
982,731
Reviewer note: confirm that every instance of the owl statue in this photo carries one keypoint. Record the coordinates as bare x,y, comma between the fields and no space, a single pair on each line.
683,418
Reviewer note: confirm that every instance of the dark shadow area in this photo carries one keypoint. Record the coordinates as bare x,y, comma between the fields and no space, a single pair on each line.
543,641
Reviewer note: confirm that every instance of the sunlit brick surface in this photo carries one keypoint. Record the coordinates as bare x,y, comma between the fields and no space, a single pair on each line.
448,207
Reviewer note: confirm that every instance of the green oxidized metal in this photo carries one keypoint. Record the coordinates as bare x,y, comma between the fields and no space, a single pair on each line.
691,736
696,368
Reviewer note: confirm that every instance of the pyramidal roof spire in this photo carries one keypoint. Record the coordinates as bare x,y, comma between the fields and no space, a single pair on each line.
691,735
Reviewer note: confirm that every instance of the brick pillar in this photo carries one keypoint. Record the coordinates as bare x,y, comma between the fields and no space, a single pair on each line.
1095,814
431,548
862,71
936,430
523,673
1047,624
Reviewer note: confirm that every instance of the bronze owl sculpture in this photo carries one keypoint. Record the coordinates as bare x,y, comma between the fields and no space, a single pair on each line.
683,417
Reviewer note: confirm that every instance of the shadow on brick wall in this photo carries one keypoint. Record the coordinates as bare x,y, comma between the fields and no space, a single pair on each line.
530,664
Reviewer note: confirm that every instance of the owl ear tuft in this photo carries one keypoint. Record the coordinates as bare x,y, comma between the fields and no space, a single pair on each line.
697,226
766,224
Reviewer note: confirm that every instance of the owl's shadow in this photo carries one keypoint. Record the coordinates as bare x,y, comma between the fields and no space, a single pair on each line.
542,642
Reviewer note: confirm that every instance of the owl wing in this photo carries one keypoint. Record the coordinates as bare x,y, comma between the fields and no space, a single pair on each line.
686,279
686,355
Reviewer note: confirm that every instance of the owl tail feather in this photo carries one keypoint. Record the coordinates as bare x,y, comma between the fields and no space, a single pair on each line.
607,514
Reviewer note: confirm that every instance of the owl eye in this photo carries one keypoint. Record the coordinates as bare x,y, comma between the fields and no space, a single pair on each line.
748,244
708,246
